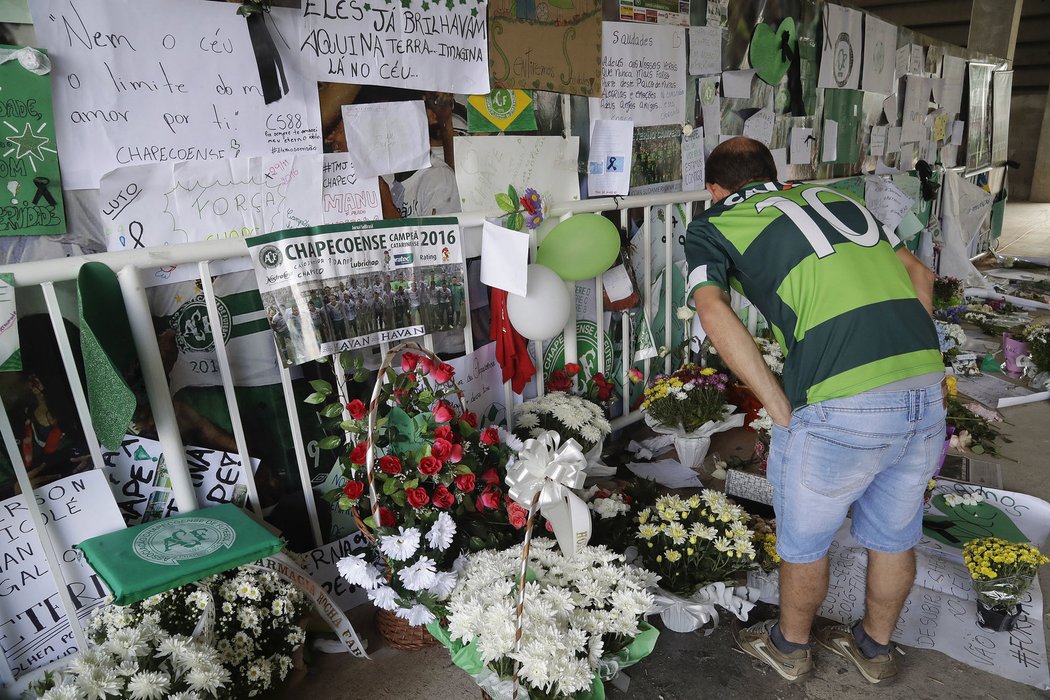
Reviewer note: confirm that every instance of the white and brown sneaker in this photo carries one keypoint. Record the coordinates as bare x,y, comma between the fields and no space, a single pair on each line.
755,641
840,640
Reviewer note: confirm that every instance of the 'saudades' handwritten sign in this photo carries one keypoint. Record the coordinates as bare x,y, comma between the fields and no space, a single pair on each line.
421,44
157,80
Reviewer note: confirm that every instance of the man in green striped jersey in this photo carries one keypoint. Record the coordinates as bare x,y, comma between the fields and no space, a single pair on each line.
859,424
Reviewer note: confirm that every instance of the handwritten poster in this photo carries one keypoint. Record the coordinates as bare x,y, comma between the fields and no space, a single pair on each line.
841,55
320,566
887,202
350,286
156,81
693,161
345,195
609,160
705,50
31,198
559,52
488,164
481,379
643,74
33,627
140,485
412,44
387,137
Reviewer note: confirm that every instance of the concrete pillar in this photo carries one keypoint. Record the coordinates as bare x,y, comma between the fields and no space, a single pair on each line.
993,27
1041,172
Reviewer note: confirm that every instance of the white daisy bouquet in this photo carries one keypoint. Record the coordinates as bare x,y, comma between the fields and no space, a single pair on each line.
249,618
951,337
139,662
696,541
1037,335
582,620
408,572
568,415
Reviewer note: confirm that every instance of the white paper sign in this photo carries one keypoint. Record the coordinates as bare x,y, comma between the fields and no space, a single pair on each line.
953,72
916,106
140,485
887,202
295,183
759,126
157,80
829,141
643,74
705,50
840,57
780,159
481,379
387,137
801,152
33,628
737,83
488,164
396,44
345,195
893,140
504,258
609,157
693,161
880,49
879,134
957,133
710,109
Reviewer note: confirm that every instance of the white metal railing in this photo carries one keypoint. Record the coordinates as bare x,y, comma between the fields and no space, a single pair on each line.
129,264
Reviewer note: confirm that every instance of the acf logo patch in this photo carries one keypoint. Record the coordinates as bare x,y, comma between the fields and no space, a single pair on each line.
168,542
193,332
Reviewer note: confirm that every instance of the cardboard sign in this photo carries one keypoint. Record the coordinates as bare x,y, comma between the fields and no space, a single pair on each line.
570,35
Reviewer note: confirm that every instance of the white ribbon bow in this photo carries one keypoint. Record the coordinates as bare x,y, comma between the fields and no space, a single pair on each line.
32,60
688,614
551,470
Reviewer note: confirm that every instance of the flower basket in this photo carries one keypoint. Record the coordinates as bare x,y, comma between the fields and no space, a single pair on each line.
397,633
692,446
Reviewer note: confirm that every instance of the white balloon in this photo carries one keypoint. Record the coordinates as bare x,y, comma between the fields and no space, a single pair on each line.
544,310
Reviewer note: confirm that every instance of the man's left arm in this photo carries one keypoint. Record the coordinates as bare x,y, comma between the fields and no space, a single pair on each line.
921,277
736,346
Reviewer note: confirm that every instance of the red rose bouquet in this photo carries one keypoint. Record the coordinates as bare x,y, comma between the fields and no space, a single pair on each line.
431,468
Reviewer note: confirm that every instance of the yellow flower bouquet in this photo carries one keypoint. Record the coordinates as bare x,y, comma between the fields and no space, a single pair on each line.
1002,572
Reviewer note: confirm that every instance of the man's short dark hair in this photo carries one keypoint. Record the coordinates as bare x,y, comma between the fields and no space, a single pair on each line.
739,161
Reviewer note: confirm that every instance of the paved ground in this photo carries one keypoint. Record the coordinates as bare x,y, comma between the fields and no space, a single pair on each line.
687,666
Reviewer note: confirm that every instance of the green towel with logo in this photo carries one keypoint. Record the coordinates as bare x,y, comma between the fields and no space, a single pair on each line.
155,557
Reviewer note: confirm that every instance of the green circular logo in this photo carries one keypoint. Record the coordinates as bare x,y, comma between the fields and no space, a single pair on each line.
193,332
586,349
501,103
169,542
842,65
270,256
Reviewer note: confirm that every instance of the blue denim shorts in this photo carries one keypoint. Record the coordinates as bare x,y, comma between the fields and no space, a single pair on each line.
875,451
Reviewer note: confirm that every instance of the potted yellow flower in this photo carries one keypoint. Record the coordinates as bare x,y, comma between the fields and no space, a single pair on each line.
1001,571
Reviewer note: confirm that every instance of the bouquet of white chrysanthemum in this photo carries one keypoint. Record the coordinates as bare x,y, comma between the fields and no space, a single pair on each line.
950,336
406,573
772,354
568,415
582,620
249,618
139,662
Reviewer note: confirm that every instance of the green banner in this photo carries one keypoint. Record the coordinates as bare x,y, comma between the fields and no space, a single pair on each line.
30,181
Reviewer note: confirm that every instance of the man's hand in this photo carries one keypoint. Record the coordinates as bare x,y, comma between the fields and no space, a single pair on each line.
736,346
921,277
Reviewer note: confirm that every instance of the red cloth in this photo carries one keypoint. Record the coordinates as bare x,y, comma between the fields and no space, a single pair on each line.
512,350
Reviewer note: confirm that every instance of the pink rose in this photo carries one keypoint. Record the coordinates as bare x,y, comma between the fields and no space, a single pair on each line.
489,498
443,413
442,373
518,516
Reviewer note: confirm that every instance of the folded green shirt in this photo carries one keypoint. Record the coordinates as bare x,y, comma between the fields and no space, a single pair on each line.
154,557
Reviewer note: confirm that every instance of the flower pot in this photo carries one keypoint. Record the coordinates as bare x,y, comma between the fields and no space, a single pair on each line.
691,450
1012,350
997,619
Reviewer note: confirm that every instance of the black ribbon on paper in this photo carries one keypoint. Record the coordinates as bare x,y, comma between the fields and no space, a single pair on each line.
42,191
271,67
791,54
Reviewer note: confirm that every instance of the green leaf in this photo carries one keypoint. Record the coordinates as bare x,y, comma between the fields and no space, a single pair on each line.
370,521
360,375
513,194
350,426
411,484
515,221
399,498
345,503
315,398
346,360
359,361
977,449
390,486
505,203
330,442
321,386
462,469
332,410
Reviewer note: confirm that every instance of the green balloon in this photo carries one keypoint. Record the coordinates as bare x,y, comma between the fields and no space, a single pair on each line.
581,247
